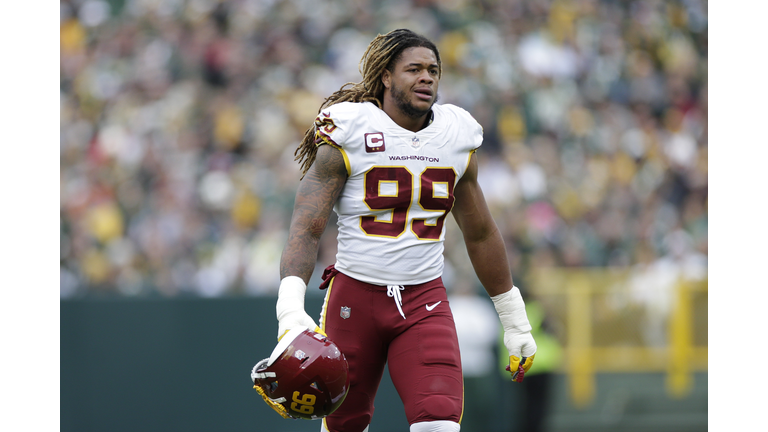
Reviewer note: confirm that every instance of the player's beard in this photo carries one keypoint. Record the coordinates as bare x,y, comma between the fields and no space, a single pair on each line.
403,103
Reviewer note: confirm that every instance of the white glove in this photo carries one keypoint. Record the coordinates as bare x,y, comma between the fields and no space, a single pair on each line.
517,331
290,306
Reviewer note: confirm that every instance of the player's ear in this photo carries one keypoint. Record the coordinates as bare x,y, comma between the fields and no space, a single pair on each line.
386,78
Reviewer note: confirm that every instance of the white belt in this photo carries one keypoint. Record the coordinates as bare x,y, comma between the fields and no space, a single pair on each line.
394,292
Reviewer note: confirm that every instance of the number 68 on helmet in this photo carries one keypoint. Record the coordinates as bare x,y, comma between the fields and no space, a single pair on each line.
306,377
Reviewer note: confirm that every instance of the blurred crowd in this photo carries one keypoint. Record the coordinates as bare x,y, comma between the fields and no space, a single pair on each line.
179,121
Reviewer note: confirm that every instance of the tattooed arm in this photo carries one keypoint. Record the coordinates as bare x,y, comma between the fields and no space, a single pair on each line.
317,193
315,198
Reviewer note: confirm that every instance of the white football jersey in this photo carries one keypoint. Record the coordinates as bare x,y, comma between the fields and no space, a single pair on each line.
399,190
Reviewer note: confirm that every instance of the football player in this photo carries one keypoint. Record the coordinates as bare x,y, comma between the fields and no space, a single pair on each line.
392,164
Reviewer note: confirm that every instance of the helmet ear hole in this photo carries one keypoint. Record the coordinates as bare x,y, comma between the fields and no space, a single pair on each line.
273,386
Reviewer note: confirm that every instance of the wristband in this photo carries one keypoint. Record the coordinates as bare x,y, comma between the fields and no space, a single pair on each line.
511,310
290,296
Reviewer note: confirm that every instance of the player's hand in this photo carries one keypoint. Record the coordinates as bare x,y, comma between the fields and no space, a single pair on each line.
296,319
524,348
290,307
517,332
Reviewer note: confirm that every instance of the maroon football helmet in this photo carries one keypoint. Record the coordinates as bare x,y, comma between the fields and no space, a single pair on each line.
306,377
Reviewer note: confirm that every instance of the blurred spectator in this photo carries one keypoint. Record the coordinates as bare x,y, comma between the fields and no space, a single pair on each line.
179,120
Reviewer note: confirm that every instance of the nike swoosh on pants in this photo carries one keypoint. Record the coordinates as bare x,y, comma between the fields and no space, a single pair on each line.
430,307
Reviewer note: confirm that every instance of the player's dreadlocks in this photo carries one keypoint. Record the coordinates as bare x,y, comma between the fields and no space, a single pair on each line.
382,53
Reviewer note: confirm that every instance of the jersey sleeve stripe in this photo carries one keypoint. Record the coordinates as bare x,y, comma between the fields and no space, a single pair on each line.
346,162
469,159
321,138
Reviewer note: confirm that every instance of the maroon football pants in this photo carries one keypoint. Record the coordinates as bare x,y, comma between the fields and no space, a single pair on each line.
422,350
